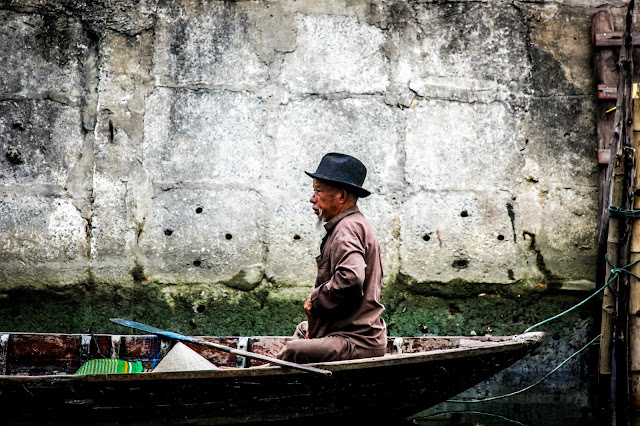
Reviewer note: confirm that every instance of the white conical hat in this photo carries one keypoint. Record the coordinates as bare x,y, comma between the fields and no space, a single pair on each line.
183,358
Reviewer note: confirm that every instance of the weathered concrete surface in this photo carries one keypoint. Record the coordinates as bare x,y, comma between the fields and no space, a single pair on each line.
197,233
41,56
42,236
152,157
208,43
335,54
178,149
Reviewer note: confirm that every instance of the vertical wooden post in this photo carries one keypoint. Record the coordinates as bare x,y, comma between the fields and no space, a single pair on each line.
605,73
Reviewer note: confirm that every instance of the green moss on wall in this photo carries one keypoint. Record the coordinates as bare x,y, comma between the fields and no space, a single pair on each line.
275,310
186,309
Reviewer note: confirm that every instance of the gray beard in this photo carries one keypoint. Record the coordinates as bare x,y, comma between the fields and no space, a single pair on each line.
320,221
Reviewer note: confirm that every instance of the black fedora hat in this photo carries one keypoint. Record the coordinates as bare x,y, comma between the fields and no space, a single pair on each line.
344,170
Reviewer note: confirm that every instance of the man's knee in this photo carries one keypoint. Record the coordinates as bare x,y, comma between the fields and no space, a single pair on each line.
294,352
315,350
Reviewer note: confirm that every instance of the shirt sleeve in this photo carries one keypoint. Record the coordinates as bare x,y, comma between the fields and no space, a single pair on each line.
345,286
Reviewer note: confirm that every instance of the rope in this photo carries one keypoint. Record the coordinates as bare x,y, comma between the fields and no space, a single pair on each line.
568,310
528,387
620,212
466,412
614,275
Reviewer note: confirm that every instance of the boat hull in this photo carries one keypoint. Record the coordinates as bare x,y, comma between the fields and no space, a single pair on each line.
398,385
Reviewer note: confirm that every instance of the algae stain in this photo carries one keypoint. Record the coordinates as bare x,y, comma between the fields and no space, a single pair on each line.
246,279
512,217
137,273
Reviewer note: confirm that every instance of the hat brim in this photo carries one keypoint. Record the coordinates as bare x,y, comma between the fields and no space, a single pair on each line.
357,190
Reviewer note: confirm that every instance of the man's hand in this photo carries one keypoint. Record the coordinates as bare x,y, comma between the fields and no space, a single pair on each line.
307,305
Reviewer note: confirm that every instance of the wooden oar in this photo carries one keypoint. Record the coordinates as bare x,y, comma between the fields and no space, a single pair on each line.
172,335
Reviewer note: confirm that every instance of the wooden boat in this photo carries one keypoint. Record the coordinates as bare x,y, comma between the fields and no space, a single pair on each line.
37,380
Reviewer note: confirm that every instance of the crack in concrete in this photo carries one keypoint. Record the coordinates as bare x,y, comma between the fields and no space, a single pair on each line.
212,87
160,187
44,97
562,96
79,184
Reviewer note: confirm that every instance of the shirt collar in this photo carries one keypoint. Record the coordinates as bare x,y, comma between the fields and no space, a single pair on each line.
334,221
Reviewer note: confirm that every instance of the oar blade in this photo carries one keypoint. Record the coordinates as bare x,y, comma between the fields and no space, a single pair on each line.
150,329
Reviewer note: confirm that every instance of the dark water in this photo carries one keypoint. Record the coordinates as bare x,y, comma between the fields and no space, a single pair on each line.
565,398
545,406
519,412
562,400
538,409
562,403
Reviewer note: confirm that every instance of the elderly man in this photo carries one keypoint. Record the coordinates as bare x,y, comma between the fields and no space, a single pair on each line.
343,310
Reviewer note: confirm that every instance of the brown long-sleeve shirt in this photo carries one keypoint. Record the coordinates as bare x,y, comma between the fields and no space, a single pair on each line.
346,298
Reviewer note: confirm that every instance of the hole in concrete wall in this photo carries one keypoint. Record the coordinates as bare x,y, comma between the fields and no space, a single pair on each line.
228,236
500,237
14,156
567,134
296,237
464,213
510,274
168,232
199,210
426,237
200,309
460,263
197,263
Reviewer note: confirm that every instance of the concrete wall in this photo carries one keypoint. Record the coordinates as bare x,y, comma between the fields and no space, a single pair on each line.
152,157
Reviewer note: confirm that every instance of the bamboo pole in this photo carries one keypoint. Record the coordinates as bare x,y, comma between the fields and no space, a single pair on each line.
634,284
625,153
608,299
613,195
618,192
604,71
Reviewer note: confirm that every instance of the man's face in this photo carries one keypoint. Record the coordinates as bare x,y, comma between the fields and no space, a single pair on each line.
325,200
